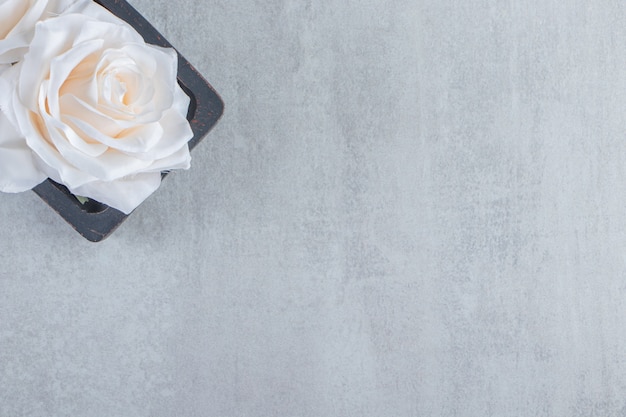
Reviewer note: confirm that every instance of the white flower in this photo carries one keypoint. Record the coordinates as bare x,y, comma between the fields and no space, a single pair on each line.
17,24
97,108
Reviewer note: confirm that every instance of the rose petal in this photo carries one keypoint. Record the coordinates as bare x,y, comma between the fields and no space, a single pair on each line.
62,67
73,106
176,129
136,139
41,54
176,133
18,19
180,159
18,22
11,13
124,194
18,169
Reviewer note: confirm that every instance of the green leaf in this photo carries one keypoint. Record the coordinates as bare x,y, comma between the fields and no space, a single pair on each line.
81,199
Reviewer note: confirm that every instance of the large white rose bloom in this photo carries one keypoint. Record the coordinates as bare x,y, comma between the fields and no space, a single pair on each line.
94,108
17,24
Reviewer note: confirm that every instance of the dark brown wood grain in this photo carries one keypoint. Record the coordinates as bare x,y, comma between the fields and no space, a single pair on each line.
96,221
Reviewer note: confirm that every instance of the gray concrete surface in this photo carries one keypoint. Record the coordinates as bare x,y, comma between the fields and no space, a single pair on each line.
410,208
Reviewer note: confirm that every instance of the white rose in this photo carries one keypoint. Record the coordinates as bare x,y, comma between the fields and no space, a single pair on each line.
97,108
17,24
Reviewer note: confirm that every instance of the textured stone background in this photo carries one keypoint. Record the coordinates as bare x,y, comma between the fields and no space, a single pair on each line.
410,208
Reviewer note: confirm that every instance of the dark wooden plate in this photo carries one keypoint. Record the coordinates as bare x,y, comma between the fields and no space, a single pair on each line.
96,221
